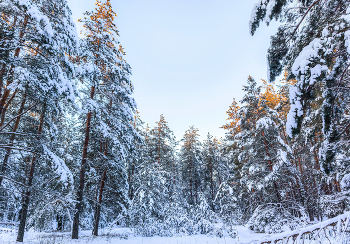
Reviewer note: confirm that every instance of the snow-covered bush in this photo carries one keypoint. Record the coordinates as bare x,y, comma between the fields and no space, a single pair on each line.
334,205
274,218
229,205
173,221
204,218
176,219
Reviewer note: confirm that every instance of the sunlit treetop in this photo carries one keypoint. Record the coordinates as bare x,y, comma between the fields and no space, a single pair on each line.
190,137
99,22
233,117
270,96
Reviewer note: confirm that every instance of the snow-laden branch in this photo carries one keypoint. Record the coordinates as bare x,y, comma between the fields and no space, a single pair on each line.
302,19
336,221
17,148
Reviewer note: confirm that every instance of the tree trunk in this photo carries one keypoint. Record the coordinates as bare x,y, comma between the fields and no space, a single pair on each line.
98,206
130,181
211,185
2,74
132,176
26,199
59,219
190,176
5,108
317,163
75,230
174,182
158,145
8,151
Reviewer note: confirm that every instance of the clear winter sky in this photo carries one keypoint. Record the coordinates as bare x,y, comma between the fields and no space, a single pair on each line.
190,58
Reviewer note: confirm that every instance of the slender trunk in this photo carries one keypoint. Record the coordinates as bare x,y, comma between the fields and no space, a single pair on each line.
211,184
300,167
75,230
158,145
26,199
5,108
59,219
196,191
8,151
317,163
190,176
2,74
132,177
129,179
103,179
174,187
98,206
3,100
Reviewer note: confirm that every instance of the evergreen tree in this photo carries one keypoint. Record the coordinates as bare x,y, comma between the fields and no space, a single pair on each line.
190,161
38,41
211,179
108,104
152,203
312,44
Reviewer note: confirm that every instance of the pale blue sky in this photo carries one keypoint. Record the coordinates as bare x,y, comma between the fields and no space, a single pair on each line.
190,58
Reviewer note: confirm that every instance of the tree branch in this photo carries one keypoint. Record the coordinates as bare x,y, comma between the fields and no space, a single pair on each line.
302,19
17,117
16,148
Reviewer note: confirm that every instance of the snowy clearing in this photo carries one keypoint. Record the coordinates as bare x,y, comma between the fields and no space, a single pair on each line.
125,236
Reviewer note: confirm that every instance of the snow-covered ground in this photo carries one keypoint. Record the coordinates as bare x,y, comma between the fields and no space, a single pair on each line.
335,230
125,236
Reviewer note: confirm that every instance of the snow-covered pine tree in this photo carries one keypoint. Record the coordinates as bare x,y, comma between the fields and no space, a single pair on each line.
108,105
233,118
265,156
35,65
211,162
162,141
151,207
312,43
190,161
134,159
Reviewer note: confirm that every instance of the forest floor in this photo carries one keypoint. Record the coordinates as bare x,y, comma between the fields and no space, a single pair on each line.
125,236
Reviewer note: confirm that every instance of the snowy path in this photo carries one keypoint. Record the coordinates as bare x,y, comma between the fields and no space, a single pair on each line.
119,236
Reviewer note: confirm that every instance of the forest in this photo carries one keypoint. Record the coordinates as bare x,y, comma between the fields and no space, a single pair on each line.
75,154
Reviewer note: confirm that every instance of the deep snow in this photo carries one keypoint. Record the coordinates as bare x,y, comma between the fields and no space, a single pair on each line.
125,236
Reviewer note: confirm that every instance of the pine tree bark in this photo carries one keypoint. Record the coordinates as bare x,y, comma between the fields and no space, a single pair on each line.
98,206
2,74
5,108
8,151
26,197
75,229
317,163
